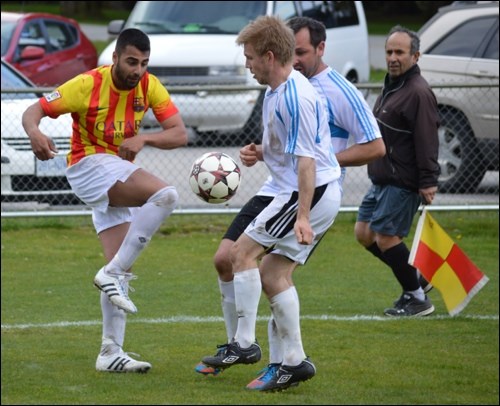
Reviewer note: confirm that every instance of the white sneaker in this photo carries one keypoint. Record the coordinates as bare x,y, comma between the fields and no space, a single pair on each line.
113,286
120,362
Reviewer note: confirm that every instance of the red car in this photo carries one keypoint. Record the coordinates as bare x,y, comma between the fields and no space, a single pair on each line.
49,49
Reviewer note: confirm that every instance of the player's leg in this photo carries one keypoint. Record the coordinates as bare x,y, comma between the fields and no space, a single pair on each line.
391,221
111,357
223,266
157,201
106,182
247,288
276,269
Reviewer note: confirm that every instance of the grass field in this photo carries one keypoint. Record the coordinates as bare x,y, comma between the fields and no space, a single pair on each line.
51,322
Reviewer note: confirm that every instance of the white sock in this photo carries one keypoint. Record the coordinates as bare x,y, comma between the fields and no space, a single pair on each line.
275,343
228,308
247,290
145,223
113,326
285,309
419,294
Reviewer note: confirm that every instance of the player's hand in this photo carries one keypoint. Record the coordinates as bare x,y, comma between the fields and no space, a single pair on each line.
249,155
130,147
428,194
303,232
43,147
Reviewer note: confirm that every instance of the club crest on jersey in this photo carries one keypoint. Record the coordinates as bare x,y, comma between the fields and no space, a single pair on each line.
138,104
53,96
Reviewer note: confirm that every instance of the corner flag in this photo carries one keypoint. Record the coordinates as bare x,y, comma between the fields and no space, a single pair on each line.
445,265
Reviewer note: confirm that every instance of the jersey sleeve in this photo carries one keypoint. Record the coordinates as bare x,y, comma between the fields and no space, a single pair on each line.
160,101
69,97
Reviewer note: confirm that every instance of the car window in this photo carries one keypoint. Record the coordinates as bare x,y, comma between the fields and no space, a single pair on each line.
10,80
32,35
331,13
199,17
60,35
285,9
465,39
7,31
491,51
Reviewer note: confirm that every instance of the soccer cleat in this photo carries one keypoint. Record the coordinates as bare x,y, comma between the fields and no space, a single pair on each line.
287,376
113,285
265,375
409,306
201,368
424,283
120,362
232,354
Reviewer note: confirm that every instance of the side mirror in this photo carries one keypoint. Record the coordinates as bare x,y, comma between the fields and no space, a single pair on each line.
32,52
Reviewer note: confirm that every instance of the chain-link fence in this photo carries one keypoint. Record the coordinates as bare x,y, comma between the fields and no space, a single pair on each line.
218,120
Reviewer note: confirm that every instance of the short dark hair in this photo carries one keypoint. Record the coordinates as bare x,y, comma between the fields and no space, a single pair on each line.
133,37
415,40
317,30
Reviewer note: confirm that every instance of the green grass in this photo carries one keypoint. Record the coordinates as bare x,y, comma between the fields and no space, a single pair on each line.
51,321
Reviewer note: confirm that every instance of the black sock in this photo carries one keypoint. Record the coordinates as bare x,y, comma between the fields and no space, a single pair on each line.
375,250
397,258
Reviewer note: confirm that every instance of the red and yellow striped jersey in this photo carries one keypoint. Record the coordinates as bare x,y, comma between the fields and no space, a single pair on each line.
104,116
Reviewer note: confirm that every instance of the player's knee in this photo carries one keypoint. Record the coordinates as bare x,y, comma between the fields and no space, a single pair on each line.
361,234
224,268
166,197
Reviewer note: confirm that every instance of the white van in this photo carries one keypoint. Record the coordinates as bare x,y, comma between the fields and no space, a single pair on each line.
193,43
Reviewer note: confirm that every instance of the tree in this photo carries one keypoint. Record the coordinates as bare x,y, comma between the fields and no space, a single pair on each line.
81,9
429,8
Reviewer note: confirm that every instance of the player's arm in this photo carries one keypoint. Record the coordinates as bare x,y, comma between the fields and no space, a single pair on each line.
307,182
361,154
172,136
43,147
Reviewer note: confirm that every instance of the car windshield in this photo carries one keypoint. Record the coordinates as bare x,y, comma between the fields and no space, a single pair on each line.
200,17
11,80
7,30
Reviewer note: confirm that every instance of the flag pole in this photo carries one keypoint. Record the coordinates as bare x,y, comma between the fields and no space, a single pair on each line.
418,233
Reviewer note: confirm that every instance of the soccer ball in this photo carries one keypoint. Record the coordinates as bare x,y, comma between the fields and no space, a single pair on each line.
215,177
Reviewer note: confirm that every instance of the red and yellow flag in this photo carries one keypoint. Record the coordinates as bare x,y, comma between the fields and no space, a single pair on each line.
445,265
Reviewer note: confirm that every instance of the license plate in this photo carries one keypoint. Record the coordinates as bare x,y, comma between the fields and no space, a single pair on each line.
52,167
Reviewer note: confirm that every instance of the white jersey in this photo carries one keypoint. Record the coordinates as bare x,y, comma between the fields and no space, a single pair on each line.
348,111
348,115
295,125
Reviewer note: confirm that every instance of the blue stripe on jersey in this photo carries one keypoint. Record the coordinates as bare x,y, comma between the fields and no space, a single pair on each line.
355,103
318,121
292,105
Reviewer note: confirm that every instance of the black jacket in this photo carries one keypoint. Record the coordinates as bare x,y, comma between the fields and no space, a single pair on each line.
407,115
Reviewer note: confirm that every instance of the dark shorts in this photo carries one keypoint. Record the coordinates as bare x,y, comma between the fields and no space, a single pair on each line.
389,209
245,216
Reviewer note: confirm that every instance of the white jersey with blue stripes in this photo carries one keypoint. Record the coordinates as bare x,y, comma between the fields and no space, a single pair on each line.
348,111
296,124
349,115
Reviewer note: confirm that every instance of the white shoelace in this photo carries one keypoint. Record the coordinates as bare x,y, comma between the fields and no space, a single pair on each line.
123,281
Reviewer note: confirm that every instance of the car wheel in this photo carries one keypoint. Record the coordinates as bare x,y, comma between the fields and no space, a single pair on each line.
462,167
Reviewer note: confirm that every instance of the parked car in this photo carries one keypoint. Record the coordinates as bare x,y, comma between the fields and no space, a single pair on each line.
194,43
49,49
460,45
24,177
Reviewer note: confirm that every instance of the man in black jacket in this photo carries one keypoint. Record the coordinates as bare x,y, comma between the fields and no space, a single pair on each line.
407,175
